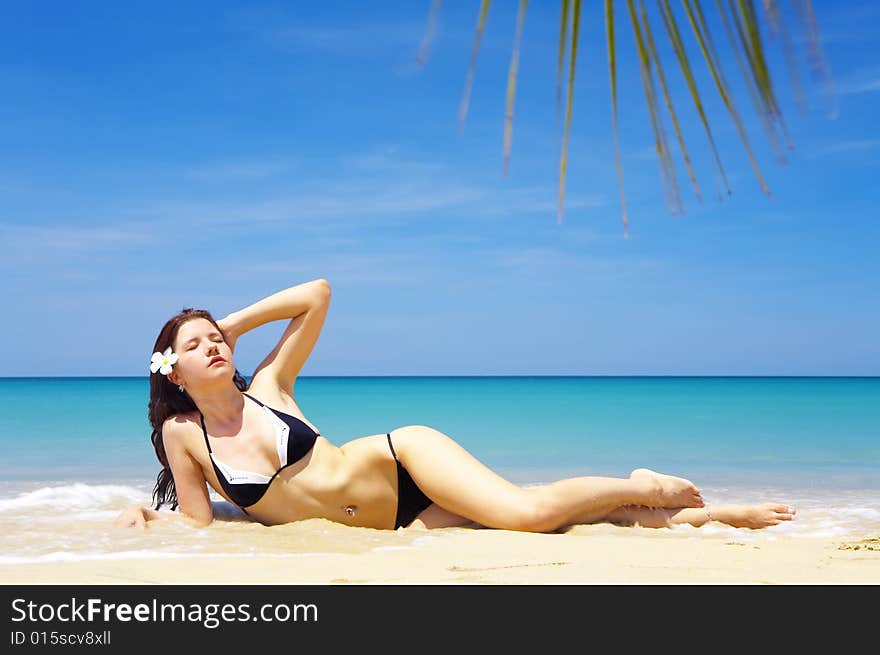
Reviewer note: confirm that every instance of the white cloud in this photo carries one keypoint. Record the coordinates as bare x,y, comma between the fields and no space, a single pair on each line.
859,82
348,203
855,145
552,261
32,238
345,40
864,86
349,268
226,171
385,184
285,31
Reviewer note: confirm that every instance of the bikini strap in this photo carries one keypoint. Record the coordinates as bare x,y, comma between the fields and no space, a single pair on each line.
393,454
254,399
205,432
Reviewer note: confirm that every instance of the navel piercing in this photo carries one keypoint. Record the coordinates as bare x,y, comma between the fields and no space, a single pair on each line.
350,510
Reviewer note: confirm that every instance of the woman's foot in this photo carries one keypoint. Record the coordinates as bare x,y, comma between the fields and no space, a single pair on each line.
667,491
738,516
752,516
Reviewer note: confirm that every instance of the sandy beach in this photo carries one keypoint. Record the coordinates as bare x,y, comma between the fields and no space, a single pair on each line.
582,555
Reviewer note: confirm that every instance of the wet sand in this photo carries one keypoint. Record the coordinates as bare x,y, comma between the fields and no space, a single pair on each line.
581,555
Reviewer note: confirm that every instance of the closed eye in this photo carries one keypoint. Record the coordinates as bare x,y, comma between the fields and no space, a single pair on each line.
194,345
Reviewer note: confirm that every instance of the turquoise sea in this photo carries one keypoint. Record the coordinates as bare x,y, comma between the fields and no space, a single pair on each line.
79,448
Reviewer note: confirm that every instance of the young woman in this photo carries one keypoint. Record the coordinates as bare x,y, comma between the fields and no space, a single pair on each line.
255,448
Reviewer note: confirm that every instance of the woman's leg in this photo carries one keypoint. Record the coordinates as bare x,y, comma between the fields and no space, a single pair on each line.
437,517
454,479
739,516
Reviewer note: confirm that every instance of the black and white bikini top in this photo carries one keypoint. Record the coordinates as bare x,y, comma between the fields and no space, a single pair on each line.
293,440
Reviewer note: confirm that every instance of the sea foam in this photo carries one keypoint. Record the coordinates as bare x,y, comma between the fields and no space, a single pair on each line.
78,496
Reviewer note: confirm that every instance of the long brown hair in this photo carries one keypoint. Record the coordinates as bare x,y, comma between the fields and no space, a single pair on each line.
167,400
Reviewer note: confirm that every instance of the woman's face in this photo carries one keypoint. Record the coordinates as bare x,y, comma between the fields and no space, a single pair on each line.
202,353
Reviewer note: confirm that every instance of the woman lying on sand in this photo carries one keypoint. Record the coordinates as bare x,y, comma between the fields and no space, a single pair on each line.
253,445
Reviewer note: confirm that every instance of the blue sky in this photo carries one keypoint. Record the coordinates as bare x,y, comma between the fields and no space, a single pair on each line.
165,155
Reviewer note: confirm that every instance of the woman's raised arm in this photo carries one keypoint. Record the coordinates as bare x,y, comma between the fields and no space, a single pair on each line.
287,303
306,306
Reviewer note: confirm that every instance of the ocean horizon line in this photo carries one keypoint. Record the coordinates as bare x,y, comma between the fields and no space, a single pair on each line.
513,376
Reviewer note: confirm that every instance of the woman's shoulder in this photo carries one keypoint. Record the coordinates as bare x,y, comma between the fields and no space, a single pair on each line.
183,430
182,423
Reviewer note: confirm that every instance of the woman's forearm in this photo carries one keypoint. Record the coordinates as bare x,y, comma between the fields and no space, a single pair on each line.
151,514
135,516
288,303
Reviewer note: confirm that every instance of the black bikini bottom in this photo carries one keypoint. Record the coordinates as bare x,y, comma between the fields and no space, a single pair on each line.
411,501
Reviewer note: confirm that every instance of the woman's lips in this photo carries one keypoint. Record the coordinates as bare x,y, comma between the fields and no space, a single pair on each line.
219,361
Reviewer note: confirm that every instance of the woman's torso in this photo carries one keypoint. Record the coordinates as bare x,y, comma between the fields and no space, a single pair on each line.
323,483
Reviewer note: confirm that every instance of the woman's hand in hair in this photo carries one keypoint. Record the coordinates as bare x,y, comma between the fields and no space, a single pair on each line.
131,517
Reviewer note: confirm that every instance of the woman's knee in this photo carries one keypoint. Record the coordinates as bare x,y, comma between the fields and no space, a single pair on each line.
524,518
531,513
543,513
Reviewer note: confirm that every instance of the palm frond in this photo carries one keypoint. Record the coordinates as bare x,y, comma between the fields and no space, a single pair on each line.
475,50
564,21
422,56
563,33
652,53
816,57
511,82
667,169
750,34
701,32
741,23
747,70
563,160
675,39
750,18
779,29
612,70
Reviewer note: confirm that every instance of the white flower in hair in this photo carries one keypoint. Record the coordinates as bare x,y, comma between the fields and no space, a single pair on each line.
163,362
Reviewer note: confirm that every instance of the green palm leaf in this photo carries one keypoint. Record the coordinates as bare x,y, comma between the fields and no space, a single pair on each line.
475,49
422,57
667,170
511,82
563,159
612,70
741,24
652,52
778,28
563,33
749,77
701,32
675,39
816,57
756,50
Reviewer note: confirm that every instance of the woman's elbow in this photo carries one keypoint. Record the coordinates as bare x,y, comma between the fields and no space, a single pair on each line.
202,521
197,520
323,289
